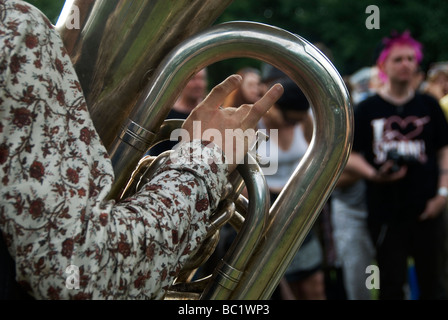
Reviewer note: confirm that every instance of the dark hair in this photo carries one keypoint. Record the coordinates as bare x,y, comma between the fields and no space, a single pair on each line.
293,98
270,74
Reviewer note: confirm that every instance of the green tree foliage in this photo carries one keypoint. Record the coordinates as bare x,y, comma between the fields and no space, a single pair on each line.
51,8
339,24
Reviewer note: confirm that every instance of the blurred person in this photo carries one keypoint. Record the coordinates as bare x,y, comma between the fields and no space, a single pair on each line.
437,85
193,94
401,150
364,83
437,82
354,247
290,116
375,82
444,105
360,82
419,80
56,175
249,92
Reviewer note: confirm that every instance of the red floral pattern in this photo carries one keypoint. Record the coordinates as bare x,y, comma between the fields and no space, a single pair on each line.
55,176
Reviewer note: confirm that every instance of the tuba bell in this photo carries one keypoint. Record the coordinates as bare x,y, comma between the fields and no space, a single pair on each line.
134,57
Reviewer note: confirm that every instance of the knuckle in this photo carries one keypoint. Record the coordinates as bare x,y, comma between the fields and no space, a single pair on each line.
258,109
219,89
226,87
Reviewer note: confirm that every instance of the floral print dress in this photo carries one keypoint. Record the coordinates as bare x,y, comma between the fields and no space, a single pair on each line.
55,175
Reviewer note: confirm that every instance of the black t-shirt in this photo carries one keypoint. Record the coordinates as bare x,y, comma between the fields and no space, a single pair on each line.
416,130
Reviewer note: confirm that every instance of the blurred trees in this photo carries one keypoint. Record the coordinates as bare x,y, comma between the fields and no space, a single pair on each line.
339,24
51,8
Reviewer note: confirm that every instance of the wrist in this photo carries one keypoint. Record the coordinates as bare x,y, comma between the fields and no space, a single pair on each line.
371,174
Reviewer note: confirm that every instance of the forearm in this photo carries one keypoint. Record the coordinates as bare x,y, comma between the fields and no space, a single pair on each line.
152,234
56,175
359,167
347,179
438,203
356,168
130,250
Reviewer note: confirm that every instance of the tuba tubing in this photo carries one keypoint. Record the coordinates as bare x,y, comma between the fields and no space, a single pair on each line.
301,61
230,270
298,206
117,50
120,43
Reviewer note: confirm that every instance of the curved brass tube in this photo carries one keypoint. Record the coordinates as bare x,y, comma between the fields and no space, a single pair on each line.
300,203
229,272
119,45
114,84
288,52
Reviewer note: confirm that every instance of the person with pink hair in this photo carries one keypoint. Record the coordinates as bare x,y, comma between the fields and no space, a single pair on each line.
401,149
397,39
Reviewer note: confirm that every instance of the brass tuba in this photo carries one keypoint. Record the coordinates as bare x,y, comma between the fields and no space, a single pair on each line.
134,57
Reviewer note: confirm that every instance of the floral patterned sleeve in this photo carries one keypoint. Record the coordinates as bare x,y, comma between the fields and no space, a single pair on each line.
55,175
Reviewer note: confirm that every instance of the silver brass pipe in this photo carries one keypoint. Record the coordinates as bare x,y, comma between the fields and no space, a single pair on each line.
316,176
119,45
231,268
297,58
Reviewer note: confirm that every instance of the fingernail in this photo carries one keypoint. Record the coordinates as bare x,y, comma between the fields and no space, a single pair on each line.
279,88
240,78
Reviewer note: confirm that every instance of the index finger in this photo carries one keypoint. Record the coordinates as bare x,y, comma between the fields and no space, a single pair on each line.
262,106
221,91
